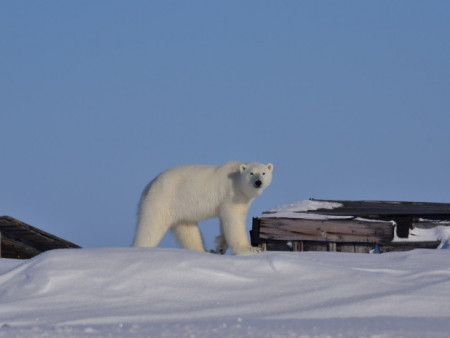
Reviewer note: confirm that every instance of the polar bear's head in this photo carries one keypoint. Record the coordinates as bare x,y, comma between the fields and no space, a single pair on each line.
254,178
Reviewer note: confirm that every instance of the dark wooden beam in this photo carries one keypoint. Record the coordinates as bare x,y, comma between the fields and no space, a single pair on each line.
405,246
254,233
19,231
386,208
14,249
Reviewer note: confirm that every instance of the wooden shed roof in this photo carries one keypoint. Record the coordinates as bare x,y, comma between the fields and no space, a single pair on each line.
21,240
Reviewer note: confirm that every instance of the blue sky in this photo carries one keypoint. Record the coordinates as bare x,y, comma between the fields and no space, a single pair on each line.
348,100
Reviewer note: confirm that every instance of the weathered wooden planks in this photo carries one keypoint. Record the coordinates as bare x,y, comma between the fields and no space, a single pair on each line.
20,240
15,249
296,229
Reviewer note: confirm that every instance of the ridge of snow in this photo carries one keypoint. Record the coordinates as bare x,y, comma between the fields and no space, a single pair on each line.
173,292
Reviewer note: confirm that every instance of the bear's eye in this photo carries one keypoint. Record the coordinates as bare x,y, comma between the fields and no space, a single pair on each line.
264,173
251,174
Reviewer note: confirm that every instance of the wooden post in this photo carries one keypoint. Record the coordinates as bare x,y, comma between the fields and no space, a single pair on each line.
264,246
332,246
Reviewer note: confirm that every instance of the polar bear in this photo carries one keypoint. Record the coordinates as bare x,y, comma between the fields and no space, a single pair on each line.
180,197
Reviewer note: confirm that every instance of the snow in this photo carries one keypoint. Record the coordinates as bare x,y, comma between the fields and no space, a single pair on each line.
299,210
290,214
129,292
306,205
438,233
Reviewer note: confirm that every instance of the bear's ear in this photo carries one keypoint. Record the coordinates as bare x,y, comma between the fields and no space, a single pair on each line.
270,166
242,168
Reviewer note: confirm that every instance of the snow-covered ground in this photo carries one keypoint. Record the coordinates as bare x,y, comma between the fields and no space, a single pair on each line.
129,292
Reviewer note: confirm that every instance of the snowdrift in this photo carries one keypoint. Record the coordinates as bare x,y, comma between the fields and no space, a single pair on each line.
174,292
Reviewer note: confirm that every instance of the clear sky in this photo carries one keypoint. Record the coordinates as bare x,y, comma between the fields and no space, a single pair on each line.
348,100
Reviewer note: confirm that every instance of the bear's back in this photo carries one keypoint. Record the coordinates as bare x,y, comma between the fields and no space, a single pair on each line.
198,170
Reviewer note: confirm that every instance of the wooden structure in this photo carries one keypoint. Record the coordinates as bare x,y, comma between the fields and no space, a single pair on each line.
352,226
20,240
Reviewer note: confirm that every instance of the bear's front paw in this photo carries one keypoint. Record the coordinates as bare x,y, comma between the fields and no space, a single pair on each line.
221,245
248,250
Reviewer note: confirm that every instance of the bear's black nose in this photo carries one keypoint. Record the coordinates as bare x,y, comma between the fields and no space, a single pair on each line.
258,183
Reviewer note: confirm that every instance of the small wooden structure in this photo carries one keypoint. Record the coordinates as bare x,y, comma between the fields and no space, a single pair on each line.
20,240
349,226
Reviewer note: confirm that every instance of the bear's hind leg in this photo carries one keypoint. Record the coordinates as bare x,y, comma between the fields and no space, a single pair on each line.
149,235
151,228
189,236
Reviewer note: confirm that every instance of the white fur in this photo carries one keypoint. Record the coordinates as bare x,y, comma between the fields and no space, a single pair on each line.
182,196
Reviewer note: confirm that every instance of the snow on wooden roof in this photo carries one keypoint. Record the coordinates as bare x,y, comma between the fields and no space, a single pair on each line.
373,209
